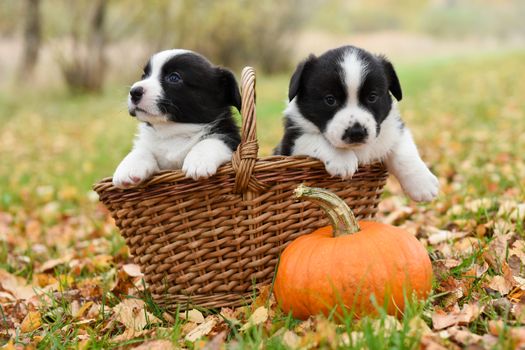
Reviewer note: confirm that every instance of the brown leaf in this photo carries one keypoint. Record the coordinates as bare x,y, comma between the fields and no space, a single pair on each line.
499,284
262,298
217,342
159,344
495,252
442,319
50,264
201,330
133,315
464,336
517,334
32,321
15,285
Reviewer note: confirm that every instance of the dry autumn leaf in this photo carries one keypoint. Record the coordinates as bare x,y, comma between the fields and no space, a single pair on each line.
201,330
133,270
15,285
32,321
156,345
260,315
442,319
192,315
133,315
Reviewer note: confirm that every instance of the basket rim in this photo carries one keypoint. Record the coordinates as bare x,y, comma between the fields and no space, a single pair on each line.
261,166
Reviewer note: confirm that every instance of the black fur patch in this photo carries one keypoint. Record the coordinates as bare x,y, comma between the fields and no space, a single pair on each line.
204,95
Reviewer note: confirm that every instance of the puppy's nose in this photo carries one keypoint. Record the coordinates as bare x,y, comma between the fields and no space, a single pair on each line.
355,134
136,94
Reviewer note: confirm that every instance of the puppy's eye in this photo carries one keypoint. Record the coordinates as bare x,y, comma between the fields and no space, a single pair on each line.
372,97
143,76
173,78
330,100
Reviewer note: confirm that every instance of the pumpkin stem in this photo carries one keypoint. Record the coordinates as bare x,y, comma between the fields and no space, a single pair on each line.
341,217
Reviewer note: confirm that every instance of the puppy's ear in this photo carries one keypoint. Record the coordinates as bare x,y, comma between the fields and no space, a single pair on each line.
231,88
295,81
393,81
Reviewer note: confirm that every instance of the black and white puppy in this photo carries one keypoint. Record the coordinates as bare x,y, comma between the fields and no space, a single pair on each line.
184,104
341,111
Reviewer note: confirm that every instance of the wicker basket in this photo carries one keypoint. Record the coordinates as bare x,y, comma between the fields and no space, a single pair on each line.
213,242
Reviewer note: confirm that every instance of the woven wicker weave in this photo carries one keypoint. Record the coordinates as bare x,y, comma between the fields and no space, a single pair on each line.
213,242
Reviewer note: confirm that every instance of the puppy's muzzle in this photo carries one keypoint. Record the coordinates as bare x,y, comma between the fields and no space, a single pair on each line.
355,134
136,94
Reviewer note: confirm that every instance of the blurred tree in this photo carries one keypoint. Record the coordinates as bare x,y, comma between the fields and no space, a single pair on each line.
84,65
233,33
32,38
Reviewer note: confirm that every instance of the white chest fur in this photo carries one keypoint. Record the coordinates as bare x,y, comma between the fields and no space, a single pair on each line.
169,143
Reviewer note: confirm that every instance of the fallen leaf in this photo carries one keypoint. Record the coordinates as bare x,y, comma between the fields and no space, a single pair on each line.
262,298
16,285
133,315
418,327
259,316
495,252
192,315
464,336
291,340
50,264
160,344
216,343
438,236
442,319
133,270
500,285
201,330
32,321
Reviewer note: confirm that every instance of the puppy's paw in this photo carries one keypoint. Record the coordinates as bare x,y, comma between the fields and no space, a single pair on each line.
130,174
343,167
421,186
198,165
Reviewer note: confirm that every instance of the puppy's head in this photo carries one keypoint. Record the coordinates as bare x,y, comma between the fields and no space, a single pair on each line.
182,86
346,94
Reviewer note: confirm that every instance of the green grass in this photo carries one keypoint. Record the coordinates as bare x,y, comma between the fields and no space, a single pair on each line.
466,114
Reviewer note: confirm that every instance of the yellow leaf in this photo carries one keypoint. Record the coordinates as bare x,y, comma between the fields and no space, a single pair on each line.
32,321
193,315
259,316
83,309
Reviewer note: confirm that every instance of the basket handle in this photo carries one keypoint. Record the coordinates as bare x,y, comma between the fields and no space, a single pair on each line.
244,158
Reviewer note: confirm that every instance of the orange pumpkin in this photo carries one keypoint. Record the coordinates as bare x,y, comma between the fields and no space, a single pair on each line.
343,265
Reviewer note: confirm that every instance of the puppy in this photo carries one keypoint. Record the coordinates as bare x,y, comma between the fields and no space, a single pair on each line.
184,105
341,111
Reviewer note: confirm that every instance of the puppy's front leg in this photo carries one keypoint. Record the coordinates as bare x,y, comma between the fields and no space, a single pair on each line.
136,167
407,166
205,157
338,162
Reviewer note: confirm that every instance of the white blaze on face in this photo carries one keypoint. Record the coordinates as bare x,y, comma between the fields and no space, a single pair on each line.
354,70
152,86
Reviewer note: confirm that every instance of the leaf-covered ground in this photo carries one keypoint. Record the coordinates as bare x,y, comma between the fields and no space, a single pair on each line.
66,277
